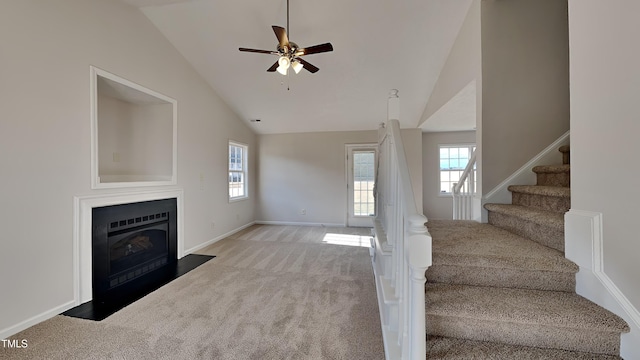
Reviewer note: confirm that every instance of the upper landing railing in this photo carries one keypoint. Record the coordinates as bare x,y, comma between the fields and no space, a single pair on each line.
464,191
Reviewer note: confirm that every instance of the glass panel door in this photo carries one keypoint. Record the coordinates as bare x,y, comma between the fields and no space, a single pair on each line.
361,166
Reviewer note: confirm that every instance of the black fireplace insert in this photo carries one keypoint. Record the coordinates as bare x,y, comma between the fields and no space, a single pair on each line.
131,242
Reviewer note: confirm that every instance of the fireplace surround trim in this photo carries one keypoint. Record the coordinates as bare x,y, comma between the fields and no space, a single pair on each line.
82,233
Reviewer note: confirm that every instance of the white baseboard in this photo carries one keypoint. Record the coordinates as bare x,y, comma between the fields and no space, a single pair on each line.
217,238
584,243
12,330
293,223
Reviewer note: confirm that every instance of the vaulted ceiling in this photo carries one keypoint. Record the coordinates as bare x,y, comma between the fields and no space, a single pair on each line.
379,45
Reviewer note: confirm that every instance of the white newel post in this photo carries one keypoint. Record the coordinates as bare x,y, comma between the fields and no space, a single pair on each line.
419,261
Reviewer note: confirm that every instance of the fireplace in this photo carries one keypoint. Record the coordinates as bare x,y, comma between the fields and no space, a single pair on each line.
130,243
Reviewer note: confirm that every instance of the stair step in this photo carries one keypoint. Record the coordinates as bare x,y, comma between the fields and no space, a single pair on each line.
445,348
546,319
550,198
544,227
566,154
553,175
471,253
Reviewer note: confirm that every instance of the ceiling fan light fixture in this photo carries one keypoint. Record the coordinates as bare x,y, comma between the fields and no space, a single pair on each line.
296,65
284,63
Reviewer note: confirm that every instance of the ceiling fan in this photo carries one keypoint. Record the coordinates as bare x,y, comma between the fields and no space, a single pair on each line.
289,53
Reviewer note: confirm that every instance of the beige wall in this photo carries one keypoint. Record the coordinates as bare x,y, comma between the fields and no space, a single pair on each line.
463,64
525,83
308,171
435,205
141,135
47,48
605,83
305,171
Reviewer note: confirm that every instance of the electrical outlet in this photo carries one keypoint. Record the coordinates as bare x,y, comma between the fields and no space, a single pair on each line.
116,157
213,225
303,211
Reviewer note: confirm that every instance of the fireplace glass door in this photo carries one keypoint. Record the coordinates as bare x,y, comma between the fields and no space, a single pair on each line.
133,254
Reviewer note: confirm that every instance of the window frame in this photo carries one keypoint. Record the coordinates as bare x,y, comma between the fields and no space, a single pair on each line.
244,171
469,146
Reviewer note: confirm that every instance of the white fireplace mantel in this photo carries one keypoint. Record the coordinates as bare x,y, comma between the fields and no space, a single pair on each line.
82,231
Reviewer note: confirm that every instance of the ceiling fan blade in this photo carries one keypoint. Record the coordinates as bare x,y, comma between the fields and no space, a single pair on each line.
311,68
281,34
315,49
258,51
273,67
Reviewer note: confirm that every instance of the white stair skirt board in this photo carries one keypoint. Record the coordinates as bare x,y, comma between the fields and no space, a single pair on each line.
583,245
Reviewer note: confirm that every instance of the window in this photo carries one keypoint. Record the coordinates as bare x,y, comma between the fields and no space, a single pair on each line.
453,160
237,171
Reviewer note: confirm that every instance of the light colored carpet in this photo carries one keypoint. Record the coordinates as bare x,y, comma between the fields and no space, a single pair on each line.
272,292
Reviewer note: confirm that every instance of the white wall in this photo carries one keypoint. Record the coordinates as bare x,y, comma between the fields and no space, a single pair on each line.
605,125
47,48
525,83
435,205
308,171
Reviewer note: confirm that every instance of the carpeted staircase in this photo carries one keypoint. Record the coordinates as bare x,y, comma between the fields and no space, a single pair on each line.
504,290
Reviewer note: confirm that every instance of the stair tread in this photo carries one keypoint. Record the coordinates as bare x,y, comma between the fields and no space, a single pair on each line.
469,243
521,306
542,217
557,191
565,168
446,348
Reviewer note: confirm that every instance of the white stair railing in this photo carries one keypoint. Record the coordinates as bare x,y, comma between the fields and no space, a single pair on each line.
402,248
464,191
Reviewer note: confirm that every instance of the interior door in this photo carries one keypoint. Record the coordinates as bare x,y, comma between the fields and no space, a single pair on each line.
361,175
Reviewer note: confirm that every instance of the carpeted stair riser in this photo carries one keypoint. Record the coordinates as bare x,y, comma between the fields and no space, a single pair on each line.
543,234
556,199
546,319
553,175
536,335
501,277
442,348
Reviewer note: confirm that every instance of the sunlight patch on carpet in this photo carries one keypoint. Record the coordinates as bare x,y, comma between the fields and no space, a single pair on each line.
348,240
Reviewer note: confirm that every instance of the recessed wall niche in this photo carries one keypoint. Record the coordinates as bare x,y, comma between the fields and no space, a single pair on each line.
133,134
